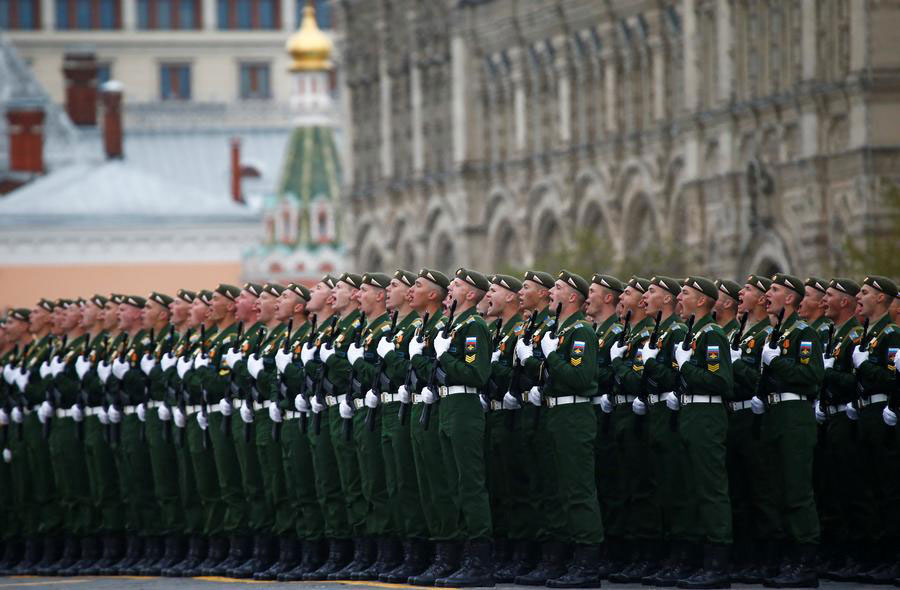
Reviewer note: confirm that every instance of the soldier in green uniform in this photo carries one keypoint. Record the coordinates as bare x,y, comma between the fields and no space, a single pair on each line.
727,305
792,373
812,310
874,360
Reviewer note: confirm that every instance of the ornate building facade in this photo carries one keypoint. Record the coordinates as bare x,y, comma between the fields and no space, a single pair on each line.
752,135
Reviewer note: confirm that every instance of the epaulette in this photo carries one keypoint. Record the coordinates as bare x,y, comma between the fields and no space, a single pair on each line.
616,329
548,321
890,329
518,328
416,323
800,325
708,327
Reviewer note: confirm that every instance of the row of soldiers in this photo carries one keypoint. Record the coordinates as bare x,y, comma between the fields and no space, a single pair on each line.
412,428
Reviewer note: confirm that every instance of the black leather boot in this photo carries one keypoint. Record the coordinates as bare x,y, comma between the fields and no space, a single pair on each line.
446,562
216,553
613,560
800,573
173,553
261,559
197,551
90,554
552,565
503,550
715,573
340,553
521,561
648,563
153,552
684,564
363,557
312,554
71,553
477,568
583,572
883,565
51,551
857,560
288,559
134,547
239,551
416,554
31,555
388,555
13,550
112,548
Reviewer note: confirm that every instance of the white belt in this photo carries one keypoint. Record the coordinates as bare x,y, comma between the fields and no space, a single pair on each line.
291,414
653,398
237,403
129,410
155,404
495,405
188,410
387,398
454,389
872,399
96,410
775,398
333,400
737,406
702,399
832,410
64,413
624,399
263,405
596,400
359,403
565,400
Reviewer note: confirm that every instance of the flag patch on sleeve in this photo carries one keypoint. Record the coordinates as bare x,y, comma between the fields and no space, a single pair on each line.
891,355
805,351
577,352
712,358
471,345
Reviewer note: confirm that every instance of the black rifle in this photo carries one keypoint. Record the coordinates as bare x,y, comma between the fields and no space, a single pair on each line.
167,349
642,392
515,381
304,416
347,424
545,372
682,387
761,393
863,344
620,341
379,373
147,398
21,402
276,426
232,388
319,394
178,396
403,412
52,394
81,398
425,418
252,393
824,396
115,430
739,333
204,405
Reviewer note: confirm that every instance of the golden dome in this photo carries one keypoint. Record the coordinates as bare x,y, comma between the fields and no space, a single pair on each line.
309,47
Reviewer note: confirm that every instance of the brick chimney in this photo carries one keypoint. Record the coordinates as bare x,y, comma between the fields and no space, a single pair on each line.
237,194
80,74
111,95
26,137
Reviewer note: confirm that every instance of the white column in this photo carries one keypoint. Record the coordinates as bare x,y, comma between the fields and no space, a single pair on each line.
209,15
610,83
415,83
565,108
459,92
658,63
48,15
691,62
288,14
725,37
129,15
858,36
384,79
809,38
520,109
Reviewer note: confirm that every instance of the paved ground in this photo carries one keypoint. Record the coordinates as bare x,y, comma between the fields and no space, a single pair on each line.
138,583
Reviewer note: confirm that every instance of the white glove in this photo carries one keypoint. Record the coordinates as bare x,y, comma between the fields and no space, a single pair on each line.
735,354
757,405
184,365
325,352
828,361
605,405
283,359
485,406
441,344
648,353
232,356
57,365
769,353
225,407
275,413
114,415
404,394
354,353
45,411
103,371
119,368
672,401
164,413
346,410
254,365
8,374
889,416
820,415
316,406
429,396
202,421
897,361
638,406
103,416
548,343
523,350
141,412
4,417
77,413
167,361
147,364
300,403
178,417
307,352
510,402
246,414
44,370
852,412
7,456
16,415
201,361
416,346
682,356
534,396
385,345
371,399
82,366
617,351
859,356
22,380
495,356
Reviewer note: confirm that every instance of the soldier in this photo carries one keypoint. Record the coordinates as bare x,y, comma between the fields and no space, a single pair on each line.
812,309
792,373
726,306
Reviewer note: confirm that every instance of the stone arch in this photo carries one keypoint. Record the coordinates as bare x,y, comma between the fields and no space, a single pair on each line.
640,225
506,250
373,260
504,246
765,253
444,252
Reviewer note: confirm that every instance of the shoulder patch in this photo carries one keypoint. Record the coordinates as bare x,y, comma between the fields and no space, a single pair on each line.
617,329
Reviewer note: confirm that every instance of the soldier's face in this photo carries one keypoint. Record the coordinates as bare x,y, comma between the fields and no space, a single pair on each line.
630,299
748,298
834,302
284,305
265,306
341,296
180,310
16,328
690,300
531,295
129,316
72,316
655,299
369,297
220,307
895,311
318,297
867,301
419,294
245,308
153,313
38,319
199,311
397,294
776,298
90,314
811,306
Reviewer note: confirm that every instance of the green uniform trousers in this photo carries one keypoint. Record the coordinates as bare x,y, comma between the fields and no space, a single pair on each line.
46,515
258,515
189,498
400,474
348,469
571,434
230,468
495,473
71,475
103,475
136,479
170,520
328,478
789,431
437,501
514,485
881,457
379,522
10,523
268,454
610,475
642,515
703,429
206,479
300,479
668,463
20,482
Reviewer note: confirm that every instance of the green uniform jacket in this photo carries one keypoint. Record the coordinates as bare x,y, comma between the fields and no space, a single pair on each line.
252,340
746,368
877,373
572,367
502,368
337,367
533,365
396,362
608,334
799,369
36,389
365,369
215,378
468,360
708,372
662,371
839,385
133,382
294,376
268,383
67,382
730,328
423,364
628,369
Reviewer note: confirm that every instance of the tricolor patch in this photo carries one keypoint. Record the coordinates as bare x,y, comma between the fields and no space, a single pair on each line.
712,358
891,355
471,345
577,352
805,351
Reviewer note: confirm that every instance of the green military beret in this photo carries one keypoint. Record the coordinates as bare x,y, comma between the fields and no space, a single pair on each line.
273,289
46,304
352,279
474,278
507,282
759,282
608,281
135,301
186,296
229,291
254,289
883,284
64,303
81,302
404,276
544,279
639,283
436,277
161,298
668,283
847,286
816,283
704,285
20,313
300,290
376,279
575,281
117,298
728,287
99,300
329,280
206,296
791,282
